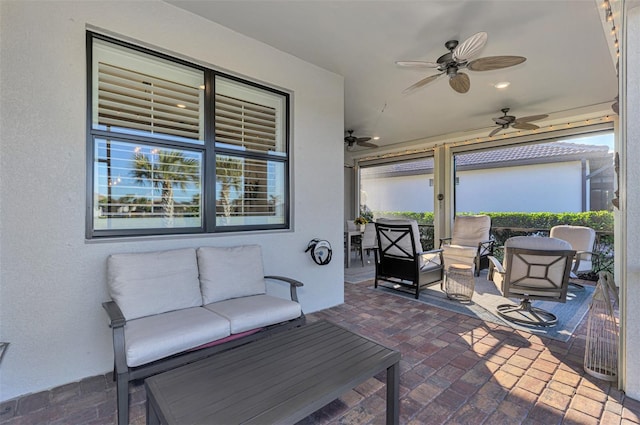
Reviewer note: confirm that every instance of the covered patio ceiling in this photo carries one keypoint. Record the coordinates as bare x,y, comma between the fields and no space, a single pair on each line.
570,68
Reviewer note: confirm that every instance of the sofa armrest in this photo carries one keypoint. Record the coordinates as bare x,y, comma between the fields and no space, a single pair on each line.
293,284
116,318
116,323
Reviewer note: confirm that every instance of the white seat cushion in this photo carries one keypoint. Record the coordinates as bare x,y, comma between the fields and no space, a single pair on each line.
456,254
155,337
230,272
144,284
256,311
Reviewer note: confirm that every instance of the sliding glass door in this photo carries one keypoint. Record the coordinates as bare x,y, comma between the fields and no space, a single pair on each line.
400,189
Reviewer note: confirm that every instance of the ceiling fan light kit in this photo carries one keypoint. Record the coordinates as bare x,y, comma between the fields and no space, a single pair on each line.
457,59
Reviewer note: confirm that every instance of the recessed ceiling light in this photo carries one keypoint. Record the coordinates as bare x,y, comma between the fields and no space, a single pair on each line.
376,138
180,105
502,85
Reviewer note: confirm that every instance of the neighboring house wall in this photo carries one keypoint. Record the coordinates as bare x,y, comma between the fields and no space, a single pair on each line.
555,187
53,281
403,193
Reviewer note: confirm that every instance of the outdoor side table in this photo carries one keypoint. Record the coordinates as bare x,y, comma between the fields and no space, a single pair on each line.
459,282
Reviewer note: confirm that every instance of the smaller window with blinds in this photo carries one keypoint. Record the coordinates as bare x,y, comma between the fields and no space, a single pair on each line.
249,119
179,148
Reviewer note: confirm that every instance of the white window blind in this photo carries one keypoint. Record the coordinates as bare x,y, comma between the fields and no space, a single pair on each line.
129,99
245,124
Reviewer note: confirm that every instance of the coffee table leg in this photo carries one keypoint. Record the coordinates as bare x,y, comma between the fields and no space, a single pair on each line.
152,416
393,394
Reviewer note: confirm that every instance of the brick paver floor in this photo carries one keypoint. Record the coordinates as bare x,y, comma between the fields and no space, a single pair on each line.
455,369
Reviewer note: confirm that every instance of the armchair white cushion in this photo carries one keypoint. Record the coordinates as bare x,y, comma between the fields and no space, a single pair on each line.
470,240
582,240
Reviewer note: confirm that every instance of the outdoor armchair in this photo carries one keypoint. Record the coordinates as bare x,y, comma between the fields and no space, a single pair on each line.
534,268
470,242
400,261
367,241
582,239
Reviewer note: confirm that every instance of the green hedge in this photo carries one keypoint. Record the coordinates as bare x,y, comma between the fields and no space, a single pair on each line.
598,220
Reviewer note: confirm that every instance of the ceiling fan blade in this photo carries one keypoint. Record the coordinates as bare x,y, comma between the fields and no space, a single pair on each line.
531,118
421,83
490,63
495,131
367,144
525,126
362,139
460,82
417,64
469,47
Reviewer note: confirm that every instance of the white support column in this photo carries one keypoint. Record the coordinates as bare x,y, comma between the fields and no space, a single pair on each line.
627,230
442,208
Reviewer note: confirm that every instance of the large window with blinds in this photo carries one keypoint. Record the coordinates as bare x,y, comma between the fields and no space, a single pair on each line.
174,147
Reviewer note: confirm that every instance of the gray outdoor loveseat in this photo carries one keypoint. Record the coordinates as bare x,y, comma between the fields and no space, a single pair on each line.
170,308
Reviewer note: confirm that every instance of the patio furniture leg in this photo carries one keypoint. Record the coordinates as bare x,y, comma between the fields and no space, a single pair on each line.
122,384
393,394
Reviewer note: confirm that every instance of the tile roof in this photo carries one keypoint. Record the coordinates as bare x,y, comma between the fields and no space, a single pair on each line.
542,152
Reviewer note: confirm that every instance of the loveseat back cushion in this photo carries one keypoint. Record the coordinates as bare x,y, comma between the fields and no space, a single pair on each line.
155,337
256,311
143,284
230,272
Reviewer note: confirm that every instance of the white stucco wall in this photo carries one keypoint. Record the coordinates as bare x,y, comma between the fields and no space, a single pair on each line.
52,281
631,204
555,187
403,193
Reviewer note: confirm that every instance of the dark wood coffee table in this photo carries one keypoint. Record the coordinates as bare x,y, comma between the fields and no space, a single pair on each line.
279,379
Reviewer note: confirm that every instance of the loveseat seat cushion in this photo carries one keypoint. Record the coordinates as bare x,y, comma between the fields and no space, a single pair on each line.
155,337
255,311
230,272
144,284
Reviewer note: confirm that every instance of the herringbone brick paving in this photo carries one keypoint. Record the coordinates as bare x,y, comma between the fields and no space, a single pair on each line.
455,370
